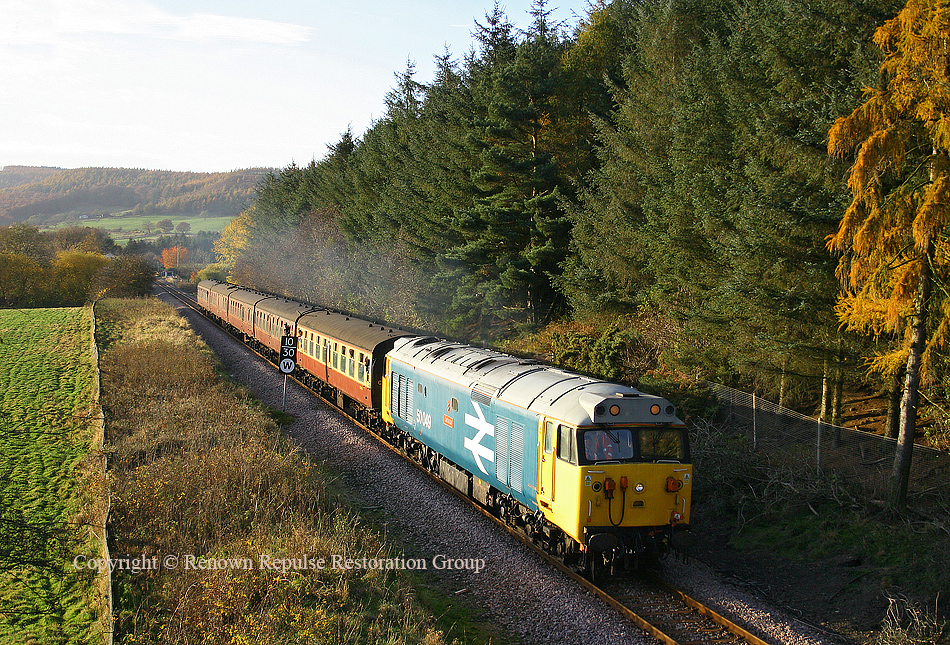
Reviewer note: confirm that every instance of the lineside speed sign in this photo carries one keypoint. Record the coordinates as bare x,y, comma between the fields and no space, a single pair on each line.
288,354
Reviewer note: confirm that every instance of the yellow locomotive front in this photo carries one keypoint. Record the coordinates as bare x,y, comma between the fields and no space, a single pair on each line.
618,485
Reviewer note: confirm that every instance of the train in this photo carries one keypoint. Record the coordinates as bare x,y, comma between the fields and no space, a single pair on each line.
596,473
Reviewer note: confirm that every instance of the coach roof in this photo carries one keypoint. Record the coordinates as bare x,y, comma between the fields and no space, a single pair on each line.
348,329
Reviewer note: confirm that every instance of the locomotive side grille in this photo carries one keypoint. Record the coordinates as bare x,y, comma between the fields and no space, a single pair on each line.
401,396
394,395
515,456
502,426
481,397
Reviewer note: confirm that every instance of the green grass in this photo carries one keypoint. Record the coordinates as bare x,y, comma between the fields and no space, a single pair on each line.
906,554
46,381
128,226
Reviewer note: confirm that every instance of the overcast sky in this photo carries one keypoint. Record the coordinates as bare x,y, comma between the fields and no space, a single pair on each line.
214,85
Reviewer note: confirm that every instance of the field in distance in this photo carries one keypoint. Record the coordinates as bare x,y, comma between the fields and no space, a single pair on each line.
123,228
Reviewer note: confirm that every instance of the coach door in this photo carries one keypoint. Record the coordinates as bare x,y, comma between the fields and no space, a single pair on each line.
546,467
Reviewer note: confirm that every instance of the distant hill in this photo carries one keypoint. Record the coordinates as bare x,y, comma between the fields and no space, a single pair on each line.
18,175
39,195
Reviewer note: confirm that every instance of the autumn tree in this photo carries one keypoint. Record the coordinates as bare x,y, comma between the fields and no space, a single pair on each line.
893,236
165,225
174,256
22,280
128,276
183,227
73,273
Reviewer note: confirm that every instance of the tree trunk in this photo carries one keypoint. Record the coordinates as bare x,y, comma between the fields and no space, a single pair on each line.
838,400
908,411
825,391
782,385
892,429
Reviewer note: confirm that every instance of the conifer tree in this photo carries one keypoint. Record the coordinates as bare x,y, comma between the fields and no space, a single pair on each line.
513,235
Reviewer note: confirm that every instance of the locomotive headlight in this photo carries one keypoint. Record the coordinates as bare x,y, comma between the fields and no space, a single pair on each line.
638,487
614,410
654,409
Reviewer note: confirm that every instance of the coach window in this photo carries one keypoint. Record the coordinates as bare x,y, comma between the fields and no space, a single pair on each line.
326,351
361,369
566,446
352,370
336,355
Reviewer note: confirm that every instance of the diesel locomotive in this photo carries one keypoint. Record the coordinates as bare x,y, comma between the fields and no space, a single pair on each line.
598,474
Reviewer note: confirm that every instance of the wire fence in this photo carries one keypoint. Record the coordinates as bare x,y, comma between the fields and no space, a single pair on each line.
853,455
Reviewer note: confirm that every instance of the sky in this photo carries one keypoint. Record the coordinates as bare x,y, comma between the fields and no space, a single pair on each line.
216,85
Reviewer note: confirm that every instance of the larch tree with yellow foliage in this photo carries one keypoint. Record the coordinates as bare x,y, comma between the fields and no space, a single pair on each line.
893,238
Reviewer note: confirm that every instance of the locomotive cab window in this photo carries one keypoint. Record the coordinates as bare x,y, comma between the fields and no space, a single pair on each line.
548,437
662,444
608,444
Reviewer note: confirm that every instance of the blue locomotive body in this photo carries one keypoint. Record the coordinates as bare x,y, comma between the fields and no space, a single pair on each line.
490,438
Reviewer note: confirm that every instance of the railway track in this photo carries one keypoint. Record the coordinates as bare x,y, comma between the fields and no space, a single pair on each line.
656,607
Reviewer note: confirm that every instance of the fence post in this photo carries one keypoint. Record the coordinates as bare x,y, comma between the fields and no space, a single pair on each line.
818,449
755,435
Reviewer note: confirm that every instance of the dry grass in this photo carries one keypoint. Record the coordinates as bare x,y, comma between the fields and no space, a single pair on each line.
200,469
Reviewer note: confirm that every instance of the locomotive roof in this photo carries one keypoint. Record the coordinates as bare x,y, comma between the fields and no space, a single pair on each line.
556,393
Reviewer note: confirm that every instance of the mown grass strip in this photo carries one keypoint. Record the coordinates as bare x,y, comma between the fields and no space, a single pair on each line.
49,487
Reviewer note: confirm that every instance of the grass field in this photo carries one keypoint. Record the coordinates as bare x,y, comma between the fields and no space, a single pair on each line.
46,389
142,227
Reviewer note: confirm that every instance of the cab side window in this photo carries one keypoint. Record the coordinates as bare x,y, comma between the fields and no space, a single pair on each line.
566,446
548,437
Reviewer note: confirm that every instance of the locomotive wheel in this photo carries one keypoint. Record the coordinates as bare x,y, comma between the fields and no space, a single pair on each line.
598,567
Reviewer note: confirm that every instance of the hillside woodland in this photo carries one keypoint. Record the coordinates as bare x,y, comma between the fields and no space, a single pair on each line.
42,196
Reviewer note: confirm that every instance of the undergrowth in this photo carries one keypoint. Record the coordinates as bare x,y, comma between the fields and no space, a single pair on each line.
780,505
